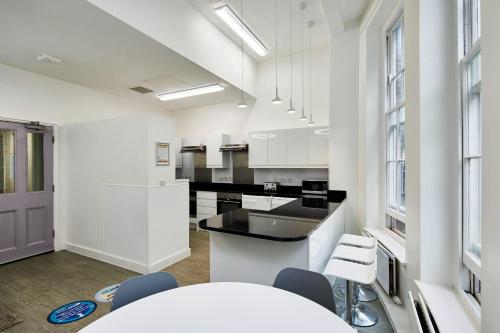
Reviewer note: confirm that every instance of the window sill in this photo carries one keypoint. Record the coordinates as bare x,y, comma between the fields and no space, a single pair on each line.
391,242
450,312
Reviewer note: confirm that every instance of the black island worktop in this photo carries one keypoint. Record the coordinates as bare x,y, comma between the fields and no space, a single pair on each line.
291,222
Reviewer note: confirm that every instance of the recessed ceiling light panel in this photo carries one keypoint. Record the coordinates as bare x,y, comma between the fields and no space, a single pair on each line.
233,21
195,91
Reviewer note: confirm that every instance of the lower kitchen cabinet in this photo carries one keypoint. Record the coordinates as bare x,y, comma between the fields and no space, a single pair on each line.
206,204
280,201
256,202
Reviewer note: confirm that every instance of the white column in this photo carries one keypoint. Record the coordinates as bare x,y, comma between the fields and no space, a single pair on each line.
432,114
490,66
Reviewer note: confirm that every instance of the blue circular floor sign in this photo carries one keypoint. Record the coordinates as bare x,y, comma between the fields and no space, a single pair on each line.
71,312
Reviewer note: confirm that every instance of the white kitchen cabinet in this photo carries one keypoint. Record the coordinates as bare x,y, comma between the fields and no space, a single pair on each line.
257,149
178,155
289,148
276,148
280,201
296,147
206,204
317,146
256,202
215,158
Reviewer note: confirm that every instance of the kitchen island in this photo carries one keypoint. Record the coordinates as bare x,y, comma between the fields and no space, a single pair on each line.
253,246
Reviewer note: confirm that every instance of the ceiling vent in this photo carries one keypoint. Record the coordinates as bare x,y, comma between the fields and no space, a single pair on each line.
141,90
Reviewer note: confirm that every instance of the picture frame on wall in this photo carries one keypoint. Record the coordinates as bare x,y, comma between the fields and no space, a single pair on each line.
162,153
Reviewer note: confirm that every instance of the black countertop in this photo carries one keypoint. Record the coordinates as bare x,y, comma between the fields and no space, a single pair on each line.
258,189
294,221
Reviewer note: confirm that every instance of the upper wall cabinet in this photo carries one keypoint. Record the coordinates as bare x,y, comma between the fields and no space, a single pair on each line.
289,148
318,139
257,149
296,147
276,148
215,158
178,155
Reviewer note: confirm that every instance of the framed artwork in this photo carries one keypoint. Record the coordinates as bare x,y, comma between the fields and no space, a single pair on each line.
162,153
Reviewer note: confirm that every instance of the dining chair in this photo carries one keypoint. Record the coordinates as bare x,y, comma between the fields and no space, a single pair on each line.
308,284
142,286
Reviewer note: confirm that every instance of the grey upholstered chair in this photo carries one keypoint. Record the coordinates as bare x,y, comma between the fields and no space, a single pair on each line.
308,284
142,286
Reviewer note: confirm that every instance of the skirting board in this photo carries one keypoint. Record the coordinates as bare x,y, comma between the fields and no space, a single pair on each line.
127,263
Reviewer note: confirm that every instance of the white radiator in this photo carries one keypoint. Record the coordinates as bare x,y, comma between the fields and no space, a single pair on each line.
387,270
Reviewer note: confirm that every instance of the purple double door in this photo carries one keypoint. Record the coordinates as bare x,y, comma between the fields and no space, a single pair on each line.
26,191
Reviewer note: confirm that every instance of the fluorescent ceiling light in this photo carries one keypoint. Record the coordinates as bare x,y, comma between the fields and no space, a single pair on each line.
237,25
211,88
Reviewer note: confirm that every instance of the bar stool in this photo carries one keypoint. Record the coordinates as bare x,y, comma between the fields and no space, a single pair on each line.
365,294
355,313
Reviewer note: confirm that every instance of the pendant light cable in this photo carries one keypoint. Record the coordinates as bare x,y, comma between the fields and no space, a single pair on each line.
303,7
291,109
310,25
277,99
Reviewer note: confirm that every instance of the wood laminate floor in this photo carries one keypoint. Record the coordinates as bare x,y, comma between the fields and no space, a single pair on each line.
33,287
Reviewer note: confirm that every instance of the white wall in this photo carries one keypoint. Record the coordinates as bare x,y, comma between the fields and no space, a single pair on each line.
179,26
433,163
344,121
112,151
28,96
261,114
32,97
490,271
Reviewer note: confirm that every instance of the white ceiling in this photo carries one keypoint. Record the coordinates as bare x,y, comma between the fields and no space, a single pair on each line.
98,51
259,15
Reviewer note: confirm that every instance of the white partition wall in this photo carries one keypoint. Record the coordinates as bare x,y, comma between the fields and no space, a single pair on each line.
116,209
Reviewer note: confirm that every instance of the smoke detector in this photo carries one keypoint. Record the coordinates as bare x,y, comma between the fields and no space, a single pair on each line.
47,58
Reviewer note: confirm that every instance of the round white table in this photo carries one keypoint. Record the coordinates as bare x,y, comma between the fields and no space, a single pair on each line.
224,307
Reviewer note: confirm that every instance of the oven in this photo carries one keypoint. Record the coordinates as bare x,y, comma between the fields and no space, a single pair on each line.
319,187
227,201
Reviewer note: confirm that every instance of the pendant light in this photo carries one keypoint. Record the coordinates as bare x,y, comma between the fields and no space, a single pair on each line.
242,104
277,99
310,25
291,109
303,6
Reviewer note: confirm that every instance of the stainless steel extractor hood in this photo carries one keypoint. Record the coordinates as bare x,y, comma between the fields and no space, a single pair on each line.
194,149
234,147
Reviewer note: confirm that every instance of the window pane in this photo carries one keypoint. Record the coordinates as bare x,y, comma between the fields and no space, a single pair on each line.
472,205
7,161
392,136
35,162
397,90
401,185
475,20
397,48
392,185
402,135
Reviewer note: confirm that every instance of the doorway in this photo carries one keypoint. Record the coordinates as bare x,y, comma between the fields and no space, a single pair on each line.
26,190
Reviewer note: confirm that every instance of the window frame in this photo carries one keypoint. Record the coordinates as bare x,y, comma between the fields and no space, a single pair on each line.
398,212
469,50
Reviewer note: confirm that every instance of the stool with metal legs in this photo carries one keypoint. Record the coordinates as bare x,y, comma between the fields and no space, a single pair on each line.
366,294
355,313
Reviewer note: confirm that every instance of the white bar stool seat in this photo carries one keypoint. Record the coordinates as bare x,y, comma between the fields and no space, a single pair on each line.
365,294
359,241
357,254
